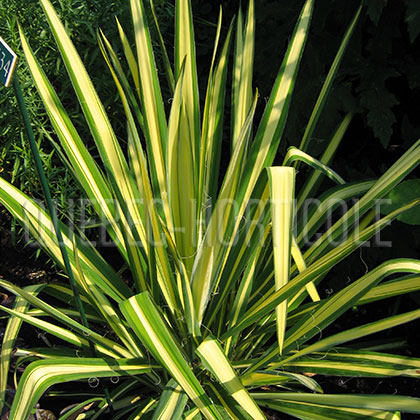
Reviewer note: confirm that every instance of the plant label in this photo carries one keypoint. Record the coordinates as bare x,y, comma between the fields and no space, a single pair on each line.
8,61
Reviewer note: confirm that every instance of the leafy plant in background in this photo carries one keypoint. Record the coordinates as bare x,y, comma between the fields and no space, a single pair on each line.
214,321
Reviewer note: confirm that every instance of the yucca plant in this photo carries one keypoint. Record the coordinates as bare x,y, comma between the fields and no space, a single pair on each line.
219,317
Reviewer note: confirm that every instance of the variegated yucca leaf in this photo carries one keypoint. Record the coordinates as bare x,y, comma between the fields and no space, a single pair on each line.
211,253
216,362
395,174
242,71
390,403
151,98
40,375
282,194
104,346
39,224
310,411
9,338
84,166
350,362
313,182
323,95
171,403
216,295
149,325
271,300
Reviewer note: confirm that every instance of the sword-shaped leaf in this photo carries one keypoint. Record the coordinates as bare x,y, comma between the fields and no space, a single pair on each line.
103,345
353,334
41,375
294,154
185,51
220,222
84,167
181,176
149,325
96,117
405,284
395,174
171,403
9,338
151,99
359,363
268,378
341,301
314,180
269,301
153,234
282,194
242,72
311,411
212,131
315,211
372,402
212,253
214,359
37,221
323,95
